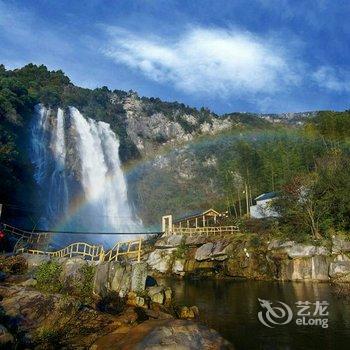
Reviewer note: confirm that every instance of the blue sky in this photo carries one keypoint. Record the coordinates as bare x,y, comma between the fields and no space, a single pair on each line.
238,55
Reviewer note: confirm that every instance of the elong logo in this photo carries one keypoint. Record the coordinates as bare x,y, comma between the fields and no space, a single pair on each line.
279,313
274,315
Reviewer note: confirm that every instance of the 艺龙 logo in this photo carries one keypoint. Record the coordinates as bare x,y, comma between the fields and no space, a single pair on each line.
308,313
279,314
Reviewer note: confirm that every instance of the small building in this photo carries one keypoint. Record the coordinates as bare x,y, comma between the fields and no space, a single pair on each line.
198,219
263,207
193,220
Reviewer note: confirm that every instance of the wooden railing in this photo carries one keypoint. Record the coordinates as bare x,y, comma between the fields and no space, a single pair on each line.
31,237
124,249
207,231
93,252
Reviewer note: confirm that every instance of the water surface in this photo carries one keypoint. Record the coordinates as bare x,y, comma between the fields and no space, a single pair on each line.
232,307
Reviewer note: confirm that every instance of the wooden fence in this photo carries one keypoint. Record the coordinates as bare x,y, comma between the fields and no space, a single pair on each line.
128,248
93,252
31,237
207,231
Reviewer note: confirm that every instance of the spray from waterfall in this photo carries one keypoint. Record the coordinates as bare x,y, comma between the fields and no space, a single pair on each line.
78,169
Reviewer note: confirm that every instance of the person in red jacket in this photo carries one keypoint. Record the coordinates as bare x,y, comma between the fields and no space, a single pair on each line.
2,240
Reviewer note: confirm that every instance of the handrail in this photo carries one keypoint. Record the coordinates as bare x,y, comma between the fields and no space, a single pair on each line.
78,248
31,237
117,250
205,230
93,251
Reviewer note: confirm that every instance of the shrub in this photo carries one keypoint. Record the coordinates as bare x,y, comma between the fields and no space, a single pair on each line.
48,275
86,284
181,250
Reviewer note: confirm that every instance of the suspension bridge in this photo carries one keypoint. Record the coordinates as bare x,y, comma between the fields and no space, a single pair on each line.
30,242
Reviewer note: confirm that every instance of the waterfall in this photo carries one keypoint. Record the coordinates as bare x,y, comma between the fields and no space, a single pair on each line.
78,169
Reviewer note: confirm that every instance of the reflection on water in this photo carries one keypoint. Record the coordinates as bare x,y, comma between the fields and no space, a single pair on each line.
231,308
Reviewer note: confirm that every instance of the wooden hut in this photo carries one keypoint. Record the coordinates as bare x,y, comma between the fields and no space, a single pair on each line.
198,219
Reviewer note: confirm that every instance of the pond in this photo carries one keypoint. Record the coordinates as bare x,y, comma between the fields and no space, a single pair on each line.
232,309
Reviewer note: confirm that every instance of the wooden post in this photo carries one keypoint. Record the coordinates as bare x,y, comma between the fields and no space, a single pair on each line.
188,223
167,224
102,255
203,220
116,255
247,199
239,202
139,252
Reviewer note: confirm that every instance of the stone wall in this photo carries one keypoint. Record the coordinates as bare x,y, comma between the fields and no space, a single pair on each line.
240,257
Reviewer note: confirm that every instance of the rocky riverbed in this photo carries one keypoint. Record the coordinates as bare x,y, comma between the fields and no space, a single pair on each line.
75,304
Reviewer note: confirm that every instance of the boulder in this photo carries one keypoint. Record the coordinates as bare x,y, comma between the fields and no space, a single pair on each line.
204,252
178,267
301,251
34,261
168,294
340,270
169,335
121,278
341,257
101,285
132,299
140,301
340,245
221,250
157,314
156,294
215,251
138,277
193,266
186,312
313,268
196,240
71,268
63,317
160,259
171,241
276,244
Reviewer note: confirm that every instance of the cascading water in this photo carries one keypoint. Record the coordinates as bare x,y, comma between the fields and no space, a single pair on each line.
79,171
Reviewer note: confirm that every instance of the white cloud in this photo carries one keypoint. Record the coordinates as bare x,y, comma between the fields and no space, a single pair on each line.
28,34
212,61
332,78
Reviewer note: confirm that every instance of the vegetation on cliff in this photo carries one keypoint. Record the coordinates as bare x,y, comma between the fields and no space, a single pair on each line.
208,170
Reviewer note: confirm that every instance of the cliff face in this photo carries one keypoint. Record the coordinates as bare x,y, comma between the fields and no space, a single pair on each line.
152,123
173,161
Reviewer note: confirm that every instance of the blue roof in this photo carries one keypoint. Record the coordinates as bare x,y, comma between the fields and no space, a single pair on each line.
267,195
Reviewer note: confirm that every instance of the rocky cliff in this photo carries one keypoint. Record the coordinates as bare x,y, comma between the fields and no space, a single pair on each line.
77,304
246,256
152,123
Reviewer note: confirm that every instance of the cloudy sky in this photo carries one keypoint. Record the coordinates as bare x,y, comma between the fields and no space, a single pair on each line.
233,55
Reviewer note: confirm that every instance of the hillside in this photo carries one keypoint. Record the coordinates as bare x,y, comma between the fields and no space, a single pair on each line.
176,158
143,124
